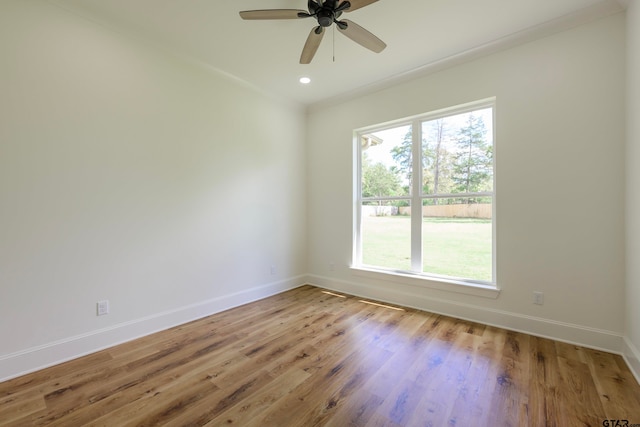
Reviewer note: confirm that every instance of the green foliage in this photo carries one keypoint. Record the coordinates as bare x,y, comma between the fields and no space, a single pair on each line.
472,167
378,180
438,159
401,154
457,158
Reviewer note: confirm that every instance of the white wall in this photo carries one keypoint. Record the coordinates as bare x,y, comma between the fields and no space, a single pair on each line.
131,175
560,184
632,335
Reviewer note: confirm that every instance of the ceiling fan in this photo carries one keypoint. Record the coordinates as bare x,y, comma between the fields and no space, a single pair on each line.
326,12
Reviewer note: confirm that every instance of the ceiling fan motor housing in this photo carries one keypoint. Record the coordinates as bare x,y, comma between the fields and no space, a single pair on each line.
325,17
328,11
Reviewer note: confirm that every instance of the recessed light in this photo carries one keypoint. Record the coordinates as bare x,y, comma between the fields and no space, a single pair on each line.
305,80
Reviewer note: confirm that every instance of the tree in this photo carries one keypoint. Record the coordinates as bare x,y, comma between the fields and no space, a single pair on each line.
432,158
472,169
378,180
402,155
436,157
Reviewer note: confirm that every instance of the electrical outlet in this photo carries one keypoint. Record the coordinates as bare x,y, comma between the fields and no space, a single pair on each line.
273,270
538,298
332,266
103,307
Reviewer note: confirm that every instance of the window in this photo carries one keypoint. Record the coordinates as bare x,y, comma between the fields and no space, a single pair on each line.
425,195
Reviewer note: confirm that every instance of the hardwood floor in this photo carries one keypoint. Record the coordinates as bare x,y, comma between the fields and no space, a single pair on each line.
309,357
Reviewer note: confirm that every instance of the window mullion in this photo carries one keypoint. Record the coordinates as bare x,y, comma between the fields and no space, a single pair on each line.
416,199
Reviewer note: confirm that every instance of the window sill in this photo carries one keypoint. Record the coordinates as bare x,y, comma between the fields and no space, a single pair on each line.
441,284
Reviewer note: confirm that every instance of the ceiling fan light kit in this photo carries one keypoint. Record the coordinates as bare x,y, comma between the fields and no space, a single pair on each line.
326,13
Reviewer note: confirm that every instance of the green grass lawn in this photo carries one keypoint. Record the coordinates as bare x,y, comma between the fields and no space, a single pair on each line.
458,247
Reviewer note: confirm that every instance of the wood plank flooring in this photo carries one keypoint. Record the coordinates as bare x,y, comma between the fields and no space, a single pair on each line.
309,357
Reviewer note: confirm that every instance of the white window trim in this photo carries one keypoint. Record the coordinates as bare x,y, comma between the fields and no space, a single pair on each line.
423,280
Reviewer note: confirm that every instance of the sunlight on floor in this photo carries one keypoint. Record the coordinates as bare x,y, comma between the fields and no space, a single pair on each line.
335,295
382,305
365,302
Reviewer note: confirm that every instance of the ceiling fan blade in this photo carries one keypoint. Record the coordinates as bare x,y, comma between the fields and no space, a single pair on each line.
361,36
311,45
274,14
357,4
313,6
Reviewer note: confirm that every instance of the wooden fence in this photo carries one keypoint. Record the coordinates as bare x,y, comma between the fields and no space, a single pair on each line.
476,210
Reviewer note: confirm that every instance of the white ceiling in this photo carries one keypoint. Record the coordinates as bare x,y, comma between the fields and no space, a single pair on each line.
421,35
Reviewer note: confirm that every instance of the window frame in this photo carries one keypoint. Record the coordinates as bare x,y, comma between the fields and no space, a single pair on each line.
415,276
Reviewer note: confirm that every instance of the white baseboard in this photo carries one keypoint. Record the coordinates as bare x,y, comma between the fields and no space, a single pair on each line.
566,332
631,355
36,358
